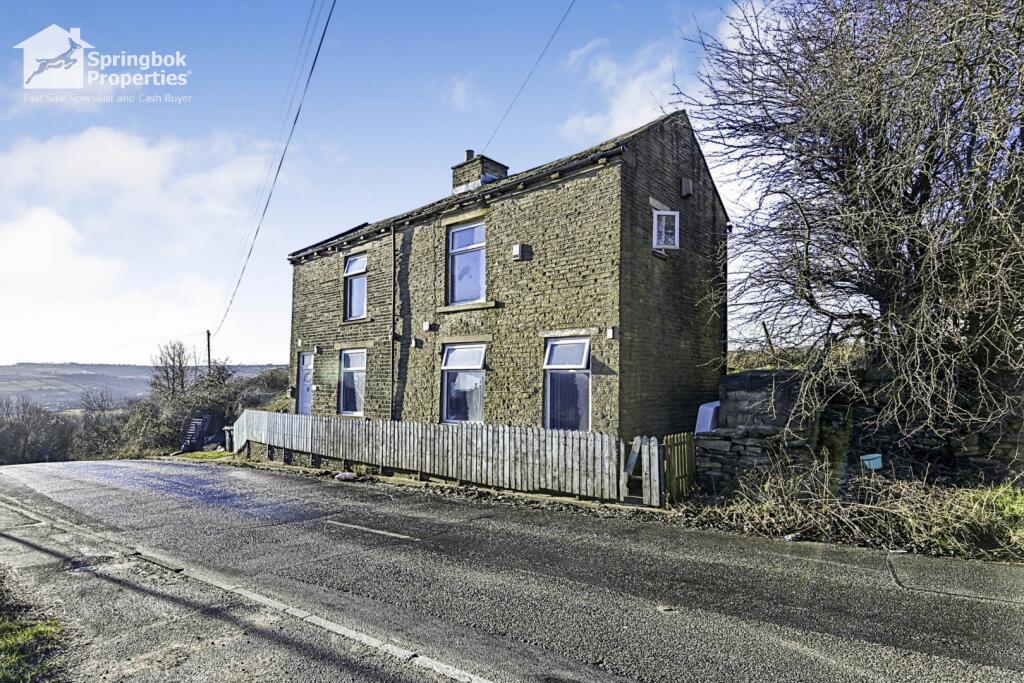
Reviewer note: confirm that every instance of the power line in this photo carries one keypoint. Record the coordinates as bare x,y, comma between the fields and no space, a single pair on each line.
529,75
291,91
280,163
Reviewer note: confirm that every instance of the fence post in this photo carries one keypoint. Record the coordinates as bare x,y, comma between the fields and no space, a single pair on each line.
653,481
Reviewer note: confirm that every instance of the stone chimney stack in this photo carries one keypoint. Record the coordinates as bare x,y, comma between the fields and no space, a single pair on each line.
475,171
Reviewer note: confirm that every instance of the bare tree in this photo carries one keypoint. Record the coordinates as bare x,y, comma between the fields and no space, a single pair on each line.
174,370
879,143
99,432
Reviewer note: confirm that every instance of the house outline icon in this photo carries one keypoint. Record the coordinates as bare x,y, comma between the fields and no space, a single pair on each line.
53,58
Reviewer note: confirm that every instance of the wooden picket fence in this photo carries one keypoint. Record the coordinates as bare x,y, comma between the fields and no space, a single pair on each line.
529,459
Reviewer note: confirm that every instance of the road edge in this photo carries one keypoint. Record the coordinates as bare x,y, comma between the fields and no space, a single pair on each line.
224,583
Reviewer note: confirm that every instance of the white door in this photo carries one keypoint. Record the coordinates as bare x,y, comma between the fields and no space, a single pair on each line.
305,403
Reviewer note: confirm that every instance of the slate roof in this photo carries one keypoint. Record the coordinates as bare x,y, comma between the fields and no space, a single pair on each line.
606,148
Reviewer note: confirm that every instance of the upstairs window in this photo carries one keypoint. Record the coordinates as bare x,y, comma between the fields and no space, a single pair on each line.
467,265
352,384
355,287
567,384
666,230
462,383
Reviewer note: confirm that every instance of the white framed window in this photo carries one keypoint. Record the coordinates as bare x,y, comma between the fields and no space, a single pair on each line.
567,384
355,287
570,353
462,383
352,382
666,230
467,264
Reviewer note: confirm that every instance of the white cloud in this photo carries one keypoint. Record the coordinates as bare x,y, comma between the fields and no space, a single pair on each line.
577,56
39,244
461,93
62,302
738,14
633,91
107,235
637,90
112,178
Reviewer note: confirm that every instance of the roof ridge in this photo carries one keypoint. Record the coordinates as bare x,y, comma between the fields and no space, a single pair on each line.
515,178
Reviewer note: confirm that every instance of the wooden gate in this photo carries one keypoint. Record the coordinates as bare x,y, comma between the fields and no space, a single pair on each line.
679,460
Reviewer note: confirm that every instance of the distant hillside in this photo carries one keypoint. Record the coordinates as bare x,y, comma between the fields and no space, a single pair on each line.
59,385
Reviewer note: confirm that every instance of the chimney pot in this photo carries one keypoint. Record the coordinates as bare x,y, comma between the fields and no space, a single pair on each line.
469,155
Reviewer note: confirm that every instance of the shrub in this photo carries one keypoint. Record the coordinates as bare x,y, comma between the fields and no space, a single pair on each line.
30,433
818,503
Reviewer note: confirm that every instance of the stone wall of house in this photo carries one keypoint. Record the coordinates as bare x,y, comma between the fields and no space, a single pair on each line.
318,324
588,269
568,281
673,334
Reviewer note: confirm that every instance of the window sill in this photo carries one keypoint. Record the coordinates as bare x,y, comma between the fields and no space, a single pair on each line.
356,321
659,254
352,416
472,306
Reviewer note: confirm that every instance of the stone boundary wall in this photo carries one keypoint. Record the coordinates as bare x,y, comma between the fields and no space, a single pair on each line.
723,454
755,409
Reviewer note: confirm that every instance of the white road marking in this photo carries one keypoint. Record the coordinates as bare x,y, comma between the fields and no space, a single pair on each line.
370,530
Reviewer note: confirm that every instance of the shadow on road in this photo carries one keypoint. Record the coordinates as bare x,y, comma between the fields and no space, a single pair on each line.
320,654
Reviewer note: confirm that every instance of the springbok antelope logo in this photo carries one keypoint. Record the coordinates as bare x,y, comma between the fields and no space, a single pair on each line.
65,60
45,66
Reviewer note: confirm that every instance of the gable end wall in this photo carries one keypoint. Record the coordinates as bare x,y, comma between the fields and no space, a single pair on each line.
673,337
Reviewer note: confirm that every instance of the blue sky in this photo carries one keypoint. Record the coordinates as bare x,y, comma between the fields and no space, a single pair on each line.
120,223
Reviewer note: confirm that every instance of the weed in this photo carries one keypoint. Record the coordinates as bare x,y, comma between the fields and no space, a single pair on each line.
819,503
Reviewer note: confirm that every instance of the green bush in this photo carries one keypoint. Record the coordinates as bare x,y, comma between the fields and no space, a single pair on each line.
30,433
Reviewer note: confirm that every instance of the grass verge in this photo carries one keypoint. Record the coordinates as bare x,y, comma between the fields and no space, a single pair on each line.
205,455
28,642
817,503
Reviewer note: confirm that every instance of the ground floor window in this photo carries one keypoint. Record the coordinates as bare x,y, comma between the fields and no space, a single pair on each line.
462,383
352,384
567,384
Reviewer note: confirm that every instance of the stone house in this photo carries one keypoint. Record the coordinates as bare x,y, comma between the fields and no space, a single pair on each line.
574,295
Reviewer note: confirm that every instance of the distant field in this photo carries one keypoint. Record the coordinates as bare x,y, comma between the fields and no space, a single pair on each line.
58,386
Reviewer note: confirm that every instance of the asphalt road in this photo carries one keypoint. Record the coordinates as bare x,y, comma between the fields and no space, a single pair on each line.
504,592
